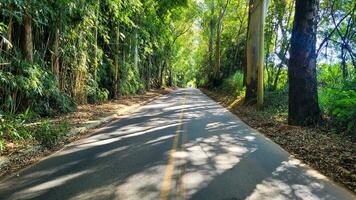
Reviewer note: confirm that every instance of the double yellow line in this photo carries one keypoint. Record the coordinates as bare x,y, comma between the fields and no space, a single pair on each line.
167,180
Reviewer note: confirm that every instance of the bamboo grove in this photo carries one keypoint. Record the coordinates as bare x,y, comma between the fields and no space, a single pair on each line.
55,54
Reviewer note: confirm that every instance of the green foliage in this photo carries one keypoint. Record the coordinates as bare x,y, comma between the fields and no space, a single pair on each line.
233,84
339,102
13,127
96,94
130,80
19,127
30,85
49,135
276,102
2,143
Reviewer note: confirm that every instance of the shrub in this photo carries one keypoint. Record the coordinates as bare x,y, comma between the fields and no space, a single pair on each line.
2,144
26,85
13,127
130,80
233,84
49,135
337,97
276,101
341,106
96,94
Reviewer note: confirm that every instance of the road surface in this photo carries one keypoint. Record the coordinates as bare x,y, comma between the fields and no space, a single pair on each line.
180,146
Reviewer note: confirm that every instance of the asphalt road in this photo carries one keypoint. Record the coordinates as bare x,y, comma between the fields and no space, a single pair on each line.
181,146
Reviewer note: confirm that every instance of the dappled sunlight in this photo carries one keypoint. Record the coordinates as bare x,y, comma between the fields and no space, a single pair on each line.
293,180
43,187
203,151
206,158
99,140
166,137
111,152
101,192
41,173
131,141
142,185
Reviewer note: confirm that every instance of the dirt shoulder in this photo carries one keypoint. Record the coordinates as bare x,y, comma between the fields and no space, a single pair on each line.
332,154
82,122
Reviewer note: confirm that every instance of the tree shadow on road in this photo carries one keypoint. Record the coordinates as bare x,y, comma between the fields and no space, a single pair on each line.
218,157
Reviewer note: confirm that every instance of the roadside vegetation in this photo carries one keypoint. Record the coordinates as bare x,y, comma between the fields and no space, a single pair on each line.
58,55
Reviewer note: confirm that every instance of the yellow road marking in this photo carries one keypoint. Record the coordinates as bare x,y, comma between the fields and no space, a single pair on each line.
181,188
167,180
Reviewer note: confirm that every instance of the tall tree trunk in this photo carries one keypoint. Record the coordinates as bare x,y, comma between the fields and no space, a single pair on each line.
255,52
162,73
116,64
96,59
216,69
55,54
211,35
136,50
26,38
81,71
303,95
148,73
9,33
170,78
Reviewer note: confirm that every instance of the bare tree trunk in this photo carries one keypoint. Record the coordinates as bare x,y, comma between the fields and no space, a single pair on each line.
26,38
255,52
303,95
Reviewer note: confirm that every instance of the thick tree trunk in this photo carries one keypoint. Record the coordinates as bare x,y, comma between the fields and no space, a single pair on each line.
255,52
26,38
303,95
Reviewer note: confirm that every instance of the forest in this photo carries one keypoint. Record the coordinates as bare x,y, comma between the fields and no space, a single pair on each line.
292,58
